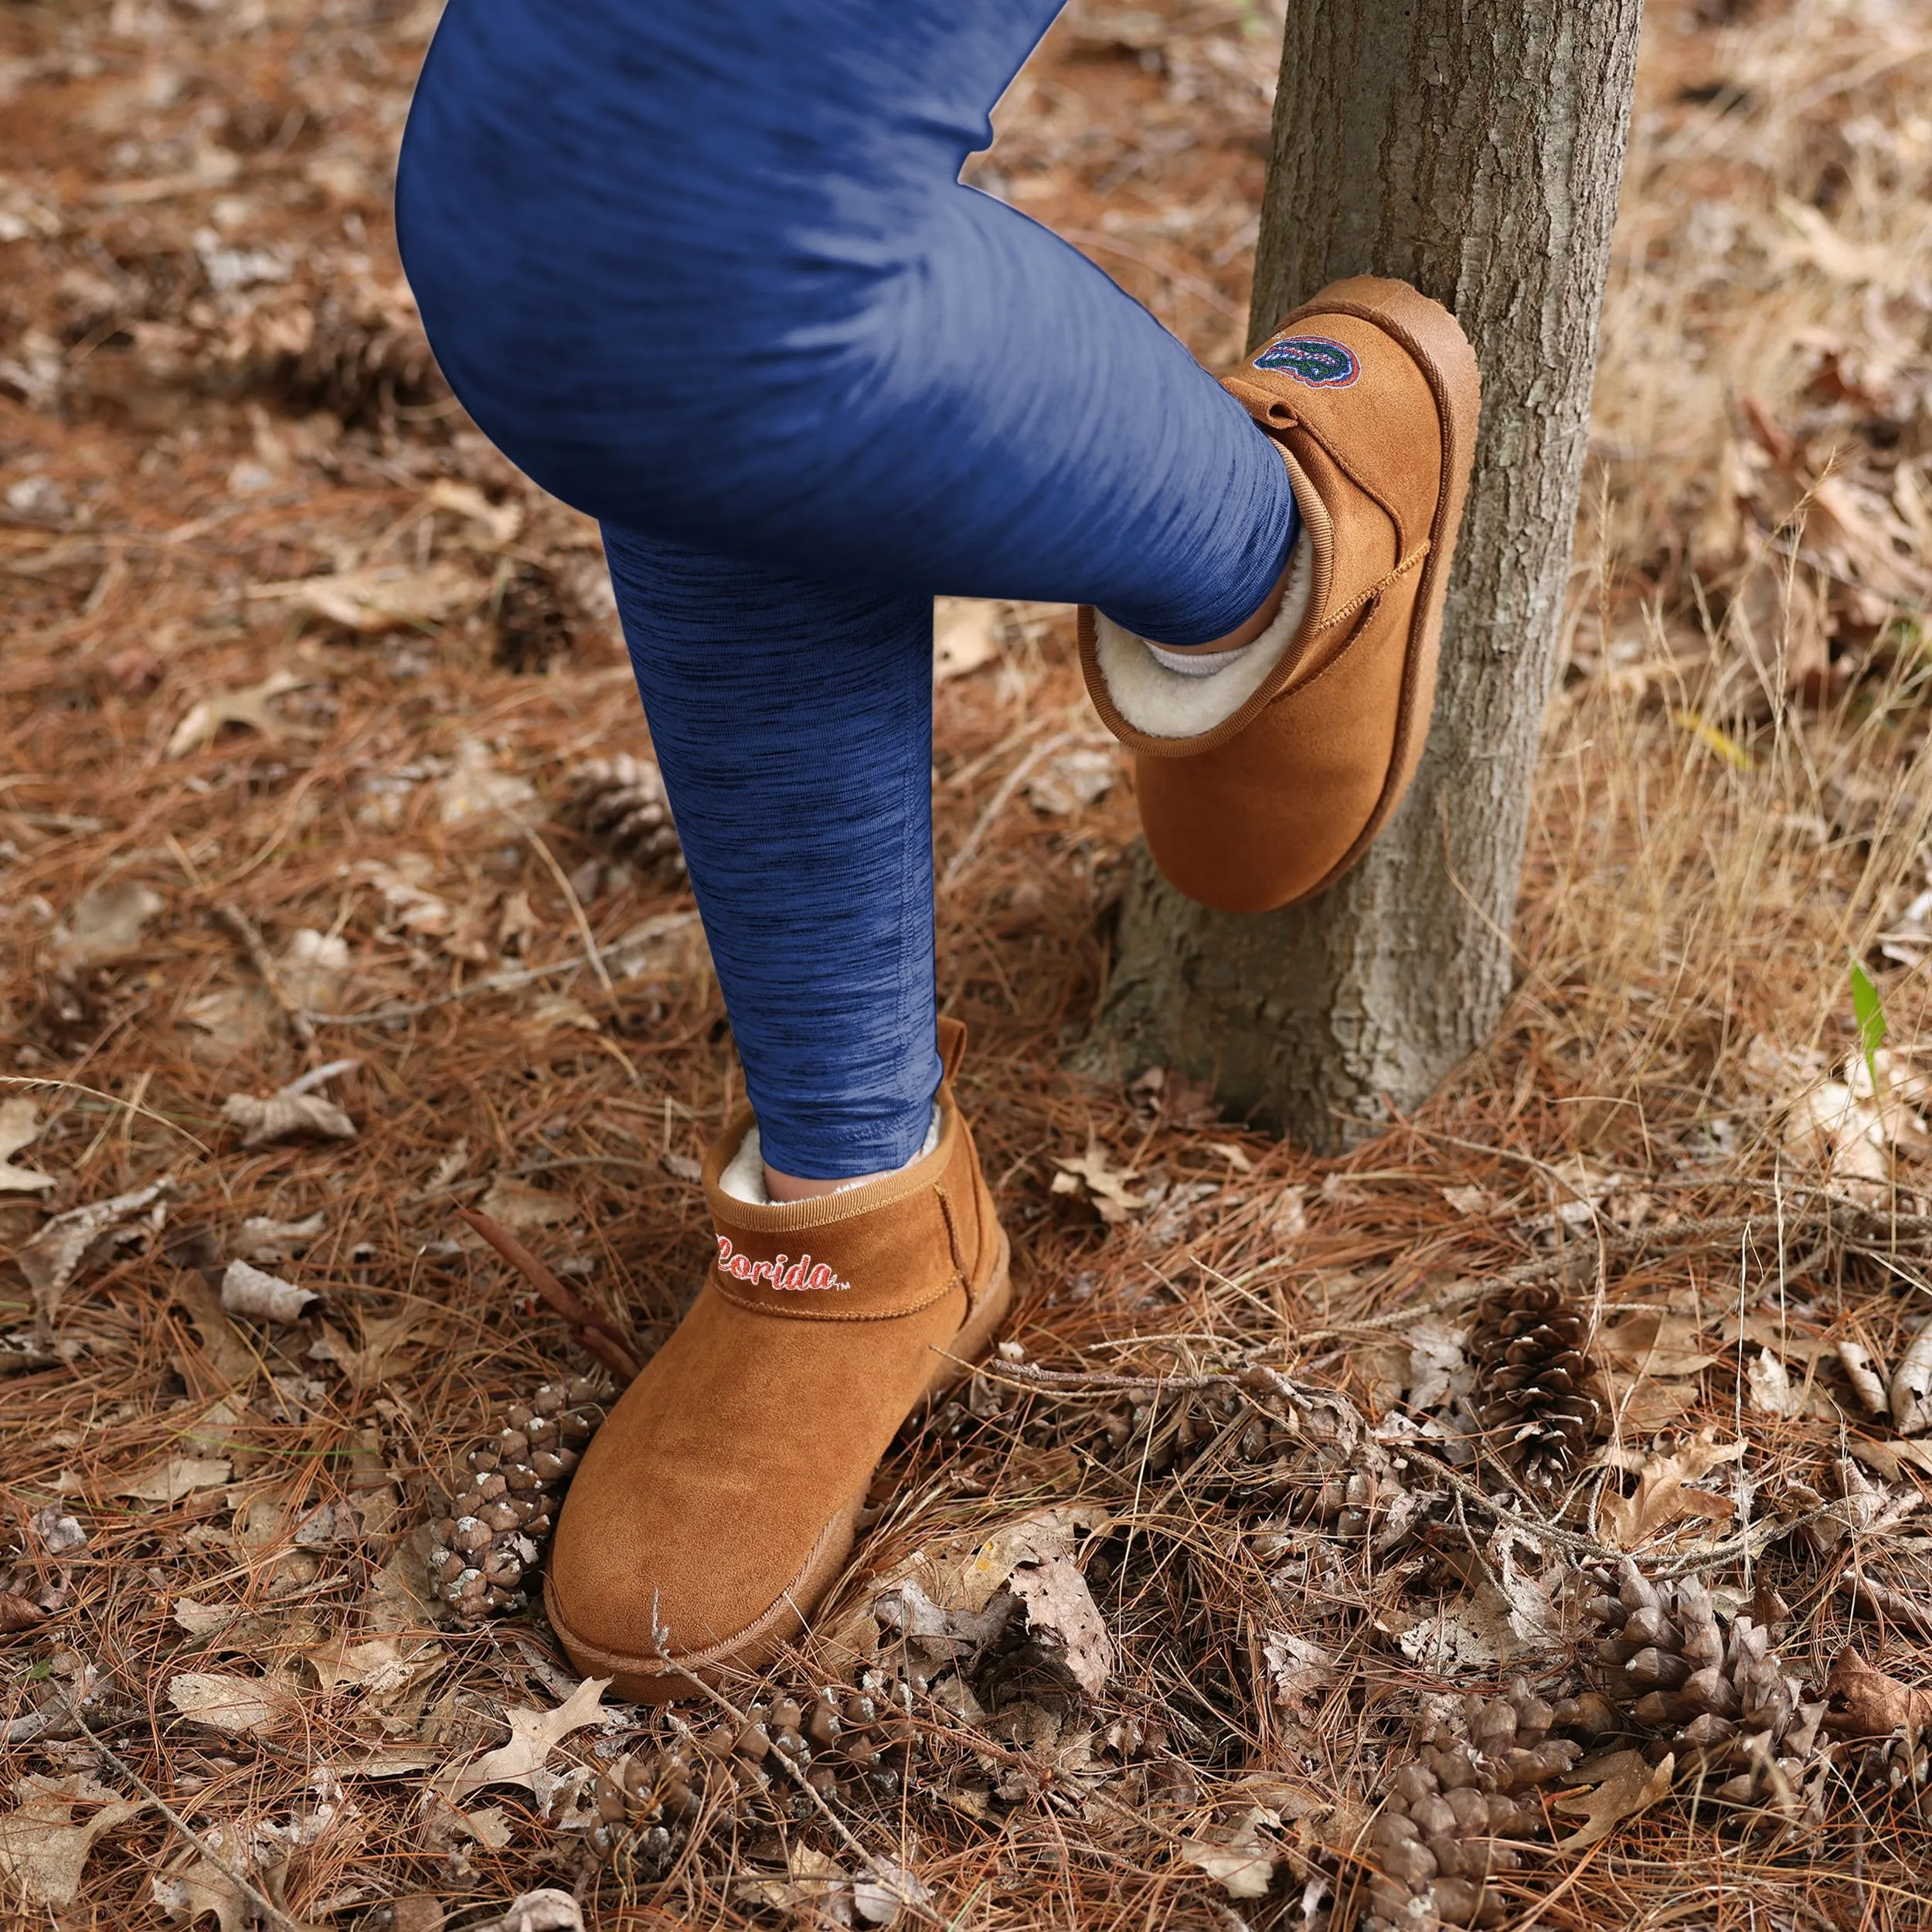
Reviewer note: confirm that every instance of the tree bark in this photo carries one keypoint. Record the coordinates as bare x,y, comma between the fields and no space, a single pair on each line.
1473,148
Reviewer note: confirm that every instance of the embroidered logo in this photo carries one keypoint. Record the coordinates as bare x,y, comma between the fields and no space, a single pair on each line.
1313,360
782,1272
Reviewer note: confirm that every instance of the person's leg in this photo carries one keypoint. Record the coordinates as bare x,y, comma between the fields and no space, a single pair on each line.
704,269
707,272
793,721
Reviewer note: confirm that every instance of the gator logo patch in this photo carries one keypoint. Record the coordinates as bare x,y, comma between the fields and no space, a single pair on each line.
1313,360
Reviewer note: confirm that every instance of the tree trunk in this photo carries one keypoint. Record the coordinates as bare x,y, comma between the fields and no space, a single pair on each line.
1473,148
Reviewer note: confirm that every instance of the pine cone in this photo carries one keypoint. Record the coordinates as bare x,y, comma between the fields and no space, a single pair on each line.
849,1743
1723,1705
620,802
1443,1832
489,1543
1536,1387
1311,1455
533,625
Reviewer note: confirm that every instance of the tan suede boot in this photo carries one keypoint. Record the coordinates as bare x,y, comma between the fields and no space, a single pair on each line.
719,1502
1265,781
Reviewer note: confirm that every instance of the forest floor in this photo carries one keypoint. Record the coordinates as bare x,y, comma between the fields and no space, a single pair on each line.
298,684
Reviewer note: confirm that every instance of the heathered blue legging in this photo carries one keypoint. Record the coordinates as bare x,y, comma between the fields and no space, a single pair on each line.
704,269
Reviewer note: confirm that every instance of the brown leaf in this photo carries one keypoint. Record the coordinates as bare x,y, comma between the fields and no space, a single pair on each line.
17,1613
1093,1174
190,1896
286,1116
384,596
178,1477
266,1297
1865,1703
1663,1495
965,636
1062,1617
517,1204
1240,1861
107,924
1631,1786
223,1701
19,1127
42,1850
1657,1345
52,1259
534,1734
247,705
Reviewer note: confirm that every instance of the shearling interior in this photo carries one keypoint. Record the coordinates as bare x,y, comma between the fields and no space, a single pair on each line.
744,1178
1169,704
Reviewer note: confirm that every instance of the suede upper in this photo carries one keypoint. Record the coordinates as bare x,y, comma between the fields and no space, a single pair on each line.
1372,402
720,1494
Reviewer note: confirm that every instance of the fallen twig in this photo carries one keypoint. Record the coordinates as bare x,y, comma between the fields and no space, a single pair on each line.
253,944
589,1330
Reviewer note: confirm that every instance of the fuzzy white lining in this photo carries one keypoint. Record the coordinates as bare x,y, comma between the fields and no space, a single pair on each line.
744,1178
1172,704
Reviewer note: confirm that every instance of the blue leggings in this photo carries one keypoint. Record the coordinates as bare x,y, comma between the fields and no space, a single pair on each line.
704,269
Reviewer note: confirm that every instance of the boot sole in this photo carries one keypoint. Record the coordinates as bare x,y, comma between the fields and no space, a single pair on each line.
646,1681
1435,341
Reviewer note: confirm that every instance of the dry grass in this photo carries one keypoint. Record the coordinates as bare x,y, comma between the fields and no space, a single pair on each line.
1732,805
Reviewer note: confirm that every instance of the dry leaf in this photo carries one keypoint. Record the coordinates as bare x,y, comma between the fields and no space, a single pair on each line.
263,1240
1472,1632
367,1365
107,924
1663,1496
499,522
1631,1786
384,596
226,1702
295,1112
249,704
1093,1174
477,790
1911,1392
17,1613
547,1911
1437,1374
203,1888
314,967
178,1477
42,1851
1300,1672
19,1127
1862,1372
1891,1459
879,1898
376,1665
815,1888
247,1290
534,1734
54,1256
1242,1863
1071,780
1850,1127
57,1532
965,636
1063,1620
408,906
1865,1703
1772,1393
1657,1345
517,1204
